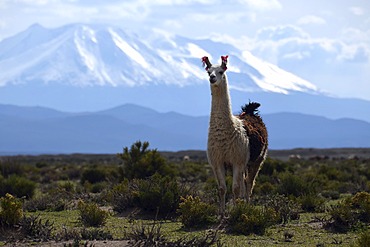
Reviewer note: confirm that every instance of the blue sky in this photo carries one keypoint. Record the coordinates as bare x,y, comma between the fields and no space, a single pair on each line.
326,42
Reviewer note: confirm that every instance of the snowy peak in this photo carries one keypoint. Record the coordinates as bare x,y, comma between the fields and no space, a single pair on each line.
269,74
99,55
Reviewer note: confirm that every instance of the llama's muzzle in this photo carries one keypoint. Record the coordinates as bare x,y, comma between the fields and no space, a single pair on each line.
212,79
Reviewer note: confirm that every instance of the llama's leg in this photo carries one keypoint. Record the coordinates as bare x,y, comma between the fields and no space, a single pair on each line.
238,182
253,169
219,171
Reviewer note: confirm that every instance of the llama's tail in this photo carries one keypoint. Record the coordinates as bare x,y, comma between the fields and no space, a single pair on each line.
250,109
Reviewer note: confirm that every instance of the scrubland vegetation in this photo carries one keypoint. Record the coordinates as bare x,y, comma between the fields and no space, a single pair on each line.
141,198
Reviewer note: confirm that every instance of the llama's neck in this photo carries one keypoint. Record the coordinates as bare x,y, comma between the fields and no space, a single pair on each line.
221,105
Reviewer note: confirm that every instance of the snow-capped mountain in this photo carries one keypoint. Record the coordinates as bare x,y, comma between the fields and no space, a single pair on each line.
81,67
90,55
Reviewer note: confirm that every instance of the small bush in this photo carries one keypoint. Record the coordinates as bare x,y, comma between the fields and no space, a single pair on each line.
361,203
57,199
140,162
247,219
17,186
33,227
93,175
350,213
144,235
293,185
67,186
91,214
158,194
11,211
265,189
285,208
98,187
196,214
10,167
331,194
312,203
342,218
122,196
46,202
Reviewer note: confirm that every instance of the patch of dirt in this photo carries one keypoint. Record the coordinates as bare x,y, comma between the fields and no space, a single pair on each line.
110,243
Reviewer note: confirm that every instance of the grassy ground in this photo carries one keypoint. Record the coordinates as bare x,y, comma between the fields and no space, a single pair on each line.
302,232
65,180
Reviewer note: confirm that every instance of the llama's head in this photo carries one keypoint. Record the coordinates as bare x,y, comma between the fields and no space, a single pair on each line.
216,72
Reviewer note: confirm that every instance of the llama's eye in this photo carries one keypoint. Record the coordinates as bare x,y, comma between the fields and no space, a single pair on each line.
221,72
209,73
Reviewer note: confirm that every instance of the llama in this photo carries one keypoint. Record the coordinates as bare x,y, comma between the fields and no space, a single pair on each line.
236,141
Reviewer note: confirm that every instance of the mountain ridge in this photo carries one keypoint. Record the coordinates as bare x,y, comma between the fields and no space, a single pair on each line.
110,130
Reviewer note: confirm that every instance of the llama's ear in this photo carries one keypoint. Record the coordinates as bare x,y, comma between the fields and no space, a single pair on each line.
224,62
206,63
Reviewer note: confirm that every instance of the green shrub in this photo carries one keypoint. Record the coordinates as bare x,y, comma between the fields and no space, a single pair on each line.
10,167
18,186
293,185
192,172
265,189
91,215
40,203
361,203
272,166
196,214
141,162
158,194
57,198
122,196
47,202
67,186
312,203
331,194
11,210
285,208
351,212
98,187
33,227
342,217
247,219
93,175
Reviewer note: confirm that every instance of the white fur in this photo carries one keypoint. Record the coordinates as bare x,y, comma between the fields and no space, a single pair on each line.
228,143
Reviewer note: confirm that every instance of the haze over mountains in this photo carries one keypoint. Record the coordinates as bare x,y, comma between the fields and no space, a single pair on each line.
82,70
41,130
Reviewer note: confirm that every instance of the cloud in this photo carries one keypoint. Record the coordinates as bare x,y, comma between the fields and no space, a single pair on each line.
241,42
355,54
291,42
329,63
353,35
34,2
262,4
357,10
277,33
311,19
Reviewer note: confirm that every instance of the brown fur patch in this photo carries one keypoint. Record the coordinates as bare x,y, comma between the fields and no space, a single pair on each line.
257,134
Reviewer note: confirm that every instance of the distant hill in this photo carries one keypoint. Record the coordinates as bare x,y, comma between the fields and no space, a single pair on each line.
43,130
